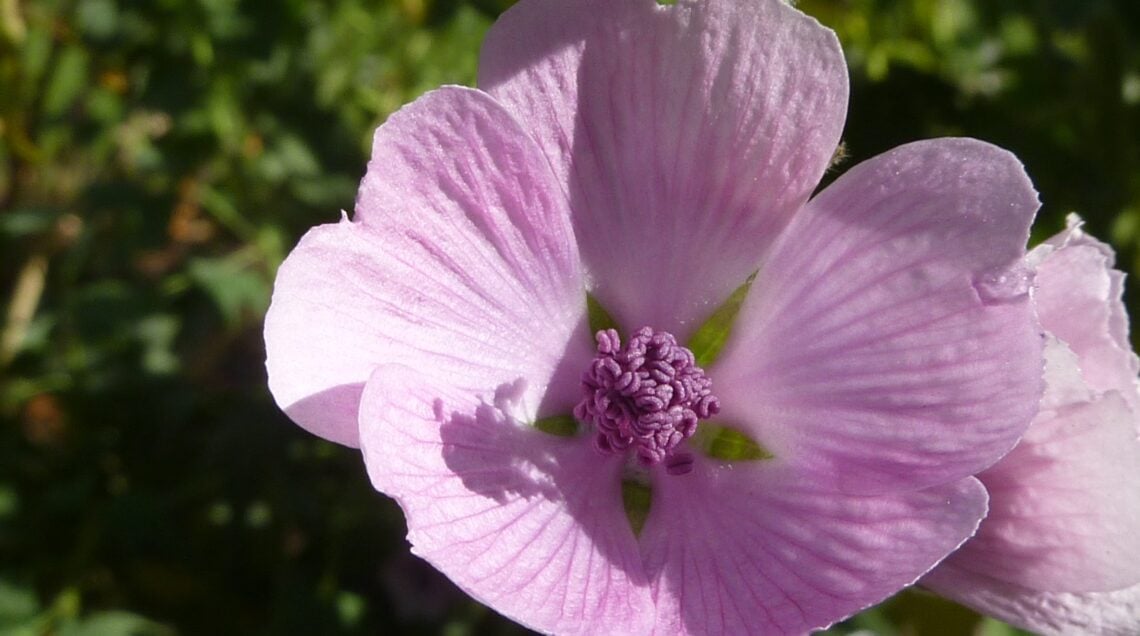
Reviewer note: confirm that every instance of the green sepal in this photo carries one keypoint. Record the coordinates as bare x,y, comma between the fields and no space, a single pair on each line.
599,318
636,498
560,425
723,442
708,341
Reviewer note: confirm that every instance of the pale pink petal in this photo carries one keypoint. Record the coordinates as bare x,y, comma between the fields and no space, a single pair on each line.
1064,515
1114,613
464,265
763,550
1060,551
1064,385
688,135
527,523
1078,298
889,341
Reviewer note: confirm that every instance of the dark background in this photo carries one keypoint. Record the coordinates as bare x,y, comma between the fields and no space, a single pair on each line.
158,160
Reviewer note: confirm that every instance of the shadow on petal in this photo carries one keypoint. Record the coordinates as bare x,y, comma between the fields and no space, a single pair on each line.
466,437
497,457
331,414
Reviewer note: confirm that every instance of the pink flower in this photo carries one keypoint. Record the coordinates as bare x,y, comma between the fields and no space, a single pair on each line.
1060,549
658,158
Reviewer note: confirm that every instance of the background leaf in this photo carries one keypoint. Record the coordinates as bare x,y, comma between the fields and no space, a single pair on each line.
162,157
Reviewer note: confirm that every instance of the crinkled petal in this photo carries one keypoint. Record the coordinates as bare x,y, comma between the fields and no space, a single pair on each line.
688,135
1064,385
1059,552
1064,516
1078,299
1114,613
527,523
763,550
889,342
461,264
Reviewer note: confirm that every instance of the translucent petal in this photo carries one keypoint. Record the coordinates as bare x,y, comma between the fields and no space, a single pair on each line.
1078,297
760,549
525,522
1064,516
889,341
461,262
687,136
1114,613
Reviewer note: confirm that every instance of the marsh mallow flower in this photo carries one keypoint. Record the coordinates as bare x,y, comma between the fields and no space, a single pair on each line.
621,374
1059,552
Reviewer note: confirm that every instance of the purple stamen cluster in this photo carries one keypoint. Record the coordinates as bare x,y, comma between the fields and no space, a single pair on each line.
647,396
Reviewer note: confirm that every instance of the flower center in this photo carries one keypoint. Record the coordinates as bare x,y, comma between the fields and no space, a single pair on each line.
647,396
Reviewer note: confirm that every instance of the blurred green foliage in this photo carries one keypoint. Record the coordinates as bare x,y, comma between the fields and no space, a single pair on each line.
159,159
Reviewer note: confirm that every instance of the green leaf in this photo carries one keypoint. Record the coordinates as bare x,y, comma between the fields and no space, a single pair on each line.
9,506
636,497
560,425
599,318
23,222
97,18
67,80
722,442
157,334
115,623
350,608
237,289
18,604
994,627
707,343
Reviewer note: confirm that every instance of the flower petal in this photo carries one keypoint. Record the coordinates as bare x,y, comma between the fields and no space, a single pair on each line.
1114,613
1064,516
688,135
1060,550
461,264
1078,299
529,524
889,341
1064,385
763,550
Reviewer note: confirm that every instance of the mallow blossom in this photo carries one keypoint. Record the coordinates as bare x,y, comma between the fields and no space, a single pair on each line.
622,372
1059,552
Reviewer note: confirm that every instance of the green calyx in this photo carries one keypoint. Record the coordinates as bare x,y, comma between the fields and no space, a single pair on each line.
726,443
599,318
709,339
559,425
636,497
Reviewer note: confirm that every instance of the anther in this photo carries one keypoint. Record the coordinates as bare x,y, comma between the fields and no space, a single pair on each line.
647,396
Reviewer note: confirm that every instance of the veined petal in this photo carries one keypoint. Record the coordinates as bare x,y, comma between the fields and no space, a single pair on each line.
1060,551
1078,299
529,524
889,340
1114,613
461,264
763,550
688,135
1064,516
